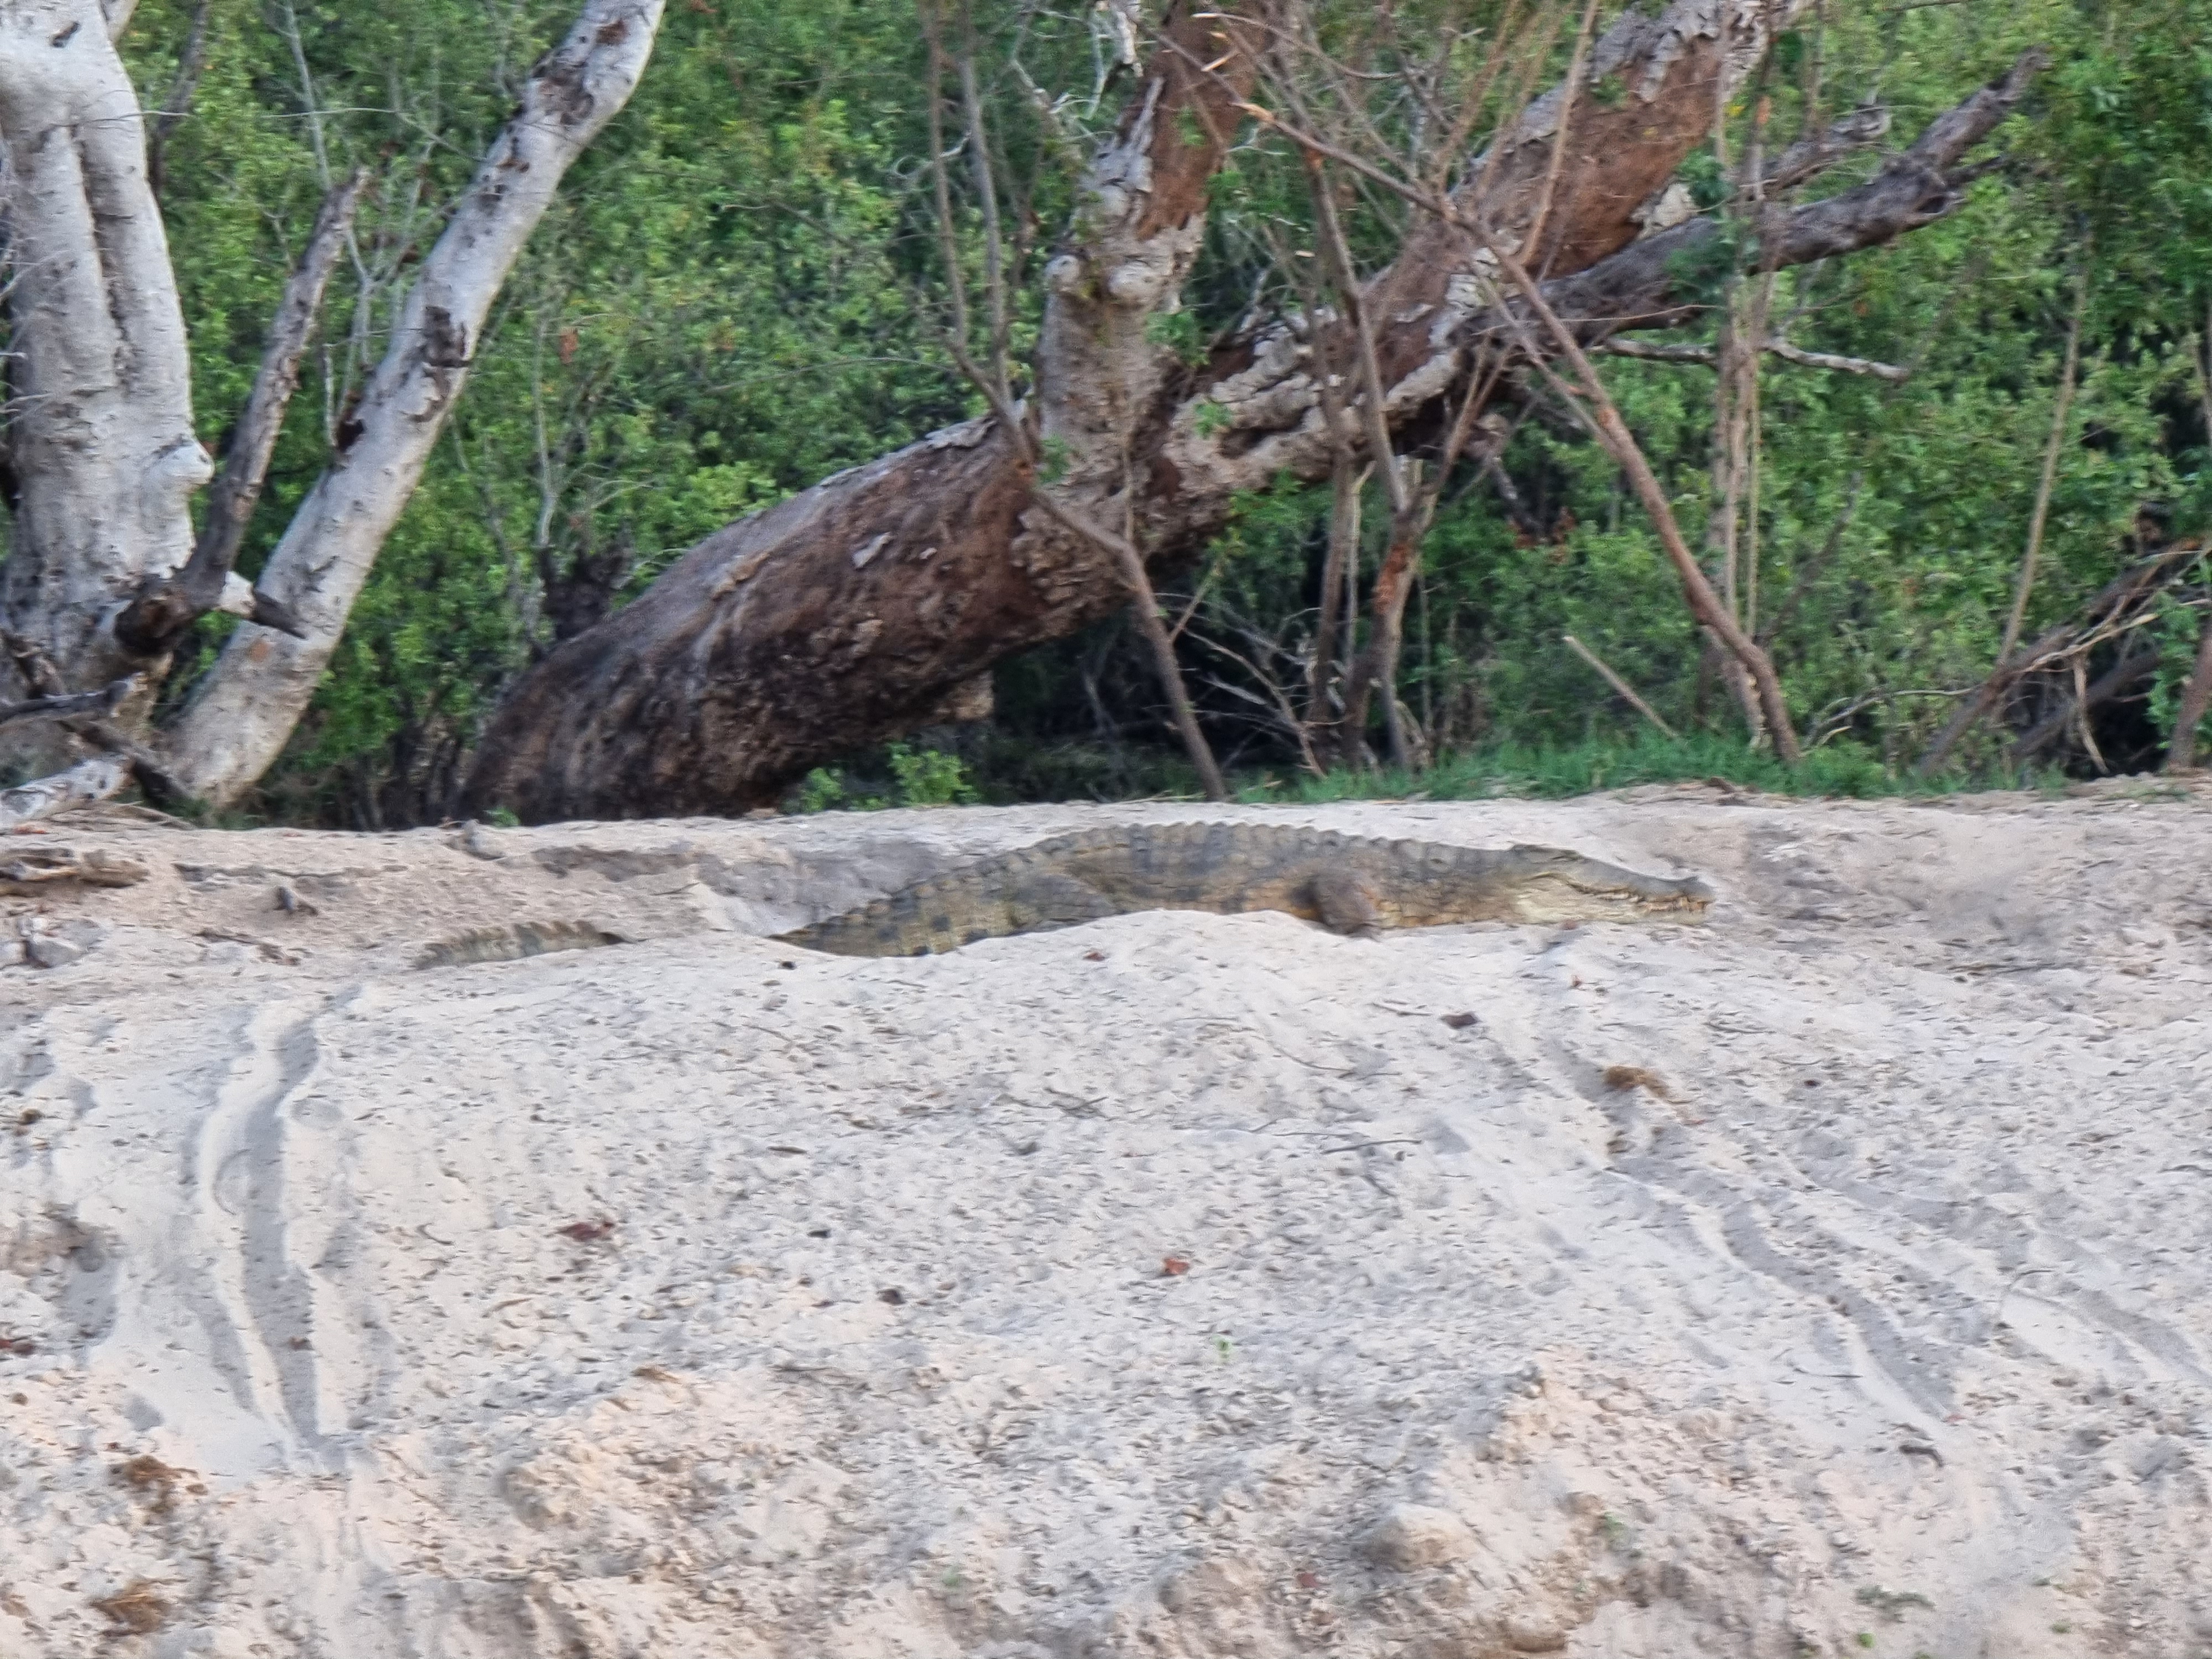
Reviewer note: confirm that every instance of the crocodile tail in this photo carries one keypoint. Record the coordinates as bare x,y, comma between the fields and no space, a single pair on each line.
511,942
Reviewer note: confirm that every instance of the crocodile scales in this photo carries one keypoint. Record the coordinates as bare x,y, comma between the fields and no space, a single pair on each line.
1349,883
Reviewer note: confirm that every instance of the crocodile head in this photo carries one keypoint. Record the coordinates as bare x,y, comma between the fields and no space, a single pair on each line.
1561,886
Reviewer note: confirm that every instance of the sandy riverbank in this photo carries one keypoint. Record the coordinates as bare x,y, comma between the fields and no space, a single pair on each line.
694,1296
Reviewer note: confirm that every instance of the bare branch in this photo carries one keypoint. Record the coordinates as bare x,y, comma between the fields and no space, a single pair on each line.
2136,663
1837,362
1656,352
1618,684
2119,608
1147,605
190,62
105,701
166,606
1815,153
1641,287
2041,515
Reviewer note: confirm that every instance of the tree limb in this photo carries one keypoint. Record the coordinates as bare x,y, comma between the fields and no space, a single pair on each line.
1644,285
151,624
2137,662
2026,585
2196,698
85,782
2076,632
190,62
1653,351
102,702
1618,684
245,710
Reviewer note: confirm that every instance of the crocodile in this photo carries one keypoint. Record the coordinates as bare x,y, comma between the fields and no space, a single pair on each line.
1350,884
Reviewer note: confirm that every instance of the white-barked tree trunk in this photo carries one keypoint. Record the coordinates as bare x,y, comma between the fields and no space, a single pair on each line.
99,423
101,437
238,723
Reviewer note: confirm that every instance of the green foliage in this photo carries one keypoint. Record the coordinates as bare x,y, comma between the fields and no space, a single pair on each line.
1178,332
918,777
821,791
1555,770
929,777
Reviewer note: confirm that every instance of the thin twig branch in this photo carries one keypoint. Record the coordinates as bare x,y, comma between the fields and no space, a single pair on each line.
2050,451
1656,352
1618,684
190,62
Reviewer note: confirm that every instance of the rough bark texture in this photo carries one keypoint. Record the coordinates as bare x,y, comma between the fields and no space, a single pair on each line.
103,446
239,722
850,614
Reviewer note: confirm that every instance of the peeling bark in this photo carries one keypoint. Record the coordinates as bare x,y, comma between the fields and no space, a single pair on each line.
244,712
1139,224
838,618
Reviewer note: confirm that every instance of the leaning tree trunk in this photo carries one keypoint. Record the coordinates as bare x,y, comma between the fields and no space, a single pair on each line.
853,611
101,445
239,721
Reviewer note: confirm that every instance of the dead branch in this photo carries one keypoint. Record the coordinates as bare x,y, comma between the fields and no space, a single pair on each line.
1640,287
2124,606
41,798
2137,663
1618,684
2025,584
151,623
1146,606
1652,351
105,701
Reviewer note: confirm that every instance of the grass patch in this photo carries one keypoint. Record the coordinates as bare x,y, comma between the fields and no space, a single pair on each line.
1554,772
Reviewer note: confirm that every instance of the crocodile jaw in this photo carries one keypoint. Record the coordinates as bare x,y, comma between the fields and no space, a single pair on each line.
1556,898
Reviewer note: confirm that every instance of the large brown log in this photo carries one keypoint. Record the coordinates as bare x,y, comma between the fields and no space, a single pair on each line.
859,609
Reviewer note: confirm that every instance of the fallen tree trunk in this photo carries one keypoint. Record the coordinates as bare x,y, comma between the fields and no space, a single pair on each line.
853,612
82,784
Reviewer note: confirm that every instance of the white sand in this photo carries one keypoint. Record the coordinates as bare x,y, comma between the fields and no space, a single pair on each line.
1895,1327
